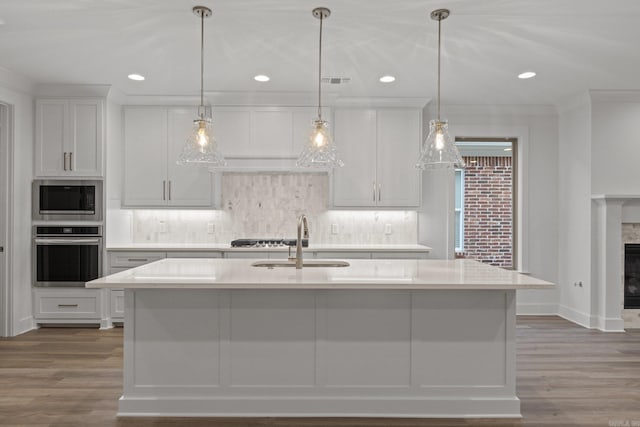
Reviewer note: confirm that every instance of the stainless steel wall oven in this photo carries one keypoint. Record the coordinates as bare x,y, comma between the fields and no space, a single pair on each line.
66,256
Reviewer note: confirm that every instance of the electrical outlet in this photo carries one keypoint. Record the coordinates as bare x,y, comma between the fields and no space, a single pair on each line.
388,229
162,227
211,228
334,228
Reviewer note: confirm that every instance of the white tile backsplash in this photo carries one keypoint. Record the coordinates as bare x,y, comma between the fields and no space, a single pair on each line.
266,205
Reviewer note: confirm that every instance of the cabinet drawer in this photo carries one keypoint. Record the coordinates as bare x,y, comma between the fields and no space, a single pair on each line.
67,307
117,304
133,259
399,255
195,254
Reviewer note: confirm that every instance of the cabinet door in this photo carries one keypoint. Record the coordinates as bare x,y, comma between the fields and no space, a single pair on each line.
86,136
145,156
232,130
51,134
271,133
398,148
355,138
187,185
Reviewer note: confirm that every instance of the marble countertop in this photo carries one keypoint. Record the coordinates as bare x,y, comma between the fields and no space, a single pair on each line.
227,248
360,274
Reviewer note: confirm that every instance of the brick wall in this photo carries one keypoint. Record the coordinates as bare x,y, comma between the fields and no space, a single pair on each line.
488,210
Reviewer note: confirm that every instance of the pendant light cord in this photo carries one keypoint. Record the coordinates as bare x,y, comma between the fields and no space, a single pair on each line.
202,60
320,69
439,24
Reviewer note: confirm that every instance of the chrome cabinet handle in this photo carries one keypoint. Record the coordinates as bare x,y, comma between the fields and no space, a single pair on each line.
169,189
67,305
70,160
64,161
137,259
379,192
164,190
374,191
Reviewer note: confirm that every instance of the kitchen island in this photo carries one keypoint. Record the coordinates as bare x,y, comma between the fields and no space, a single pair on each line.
388,338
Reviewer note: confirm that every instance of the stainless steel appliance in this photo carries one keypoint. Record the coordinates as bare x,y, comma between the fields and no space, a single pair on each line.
67,200
66,256
266,243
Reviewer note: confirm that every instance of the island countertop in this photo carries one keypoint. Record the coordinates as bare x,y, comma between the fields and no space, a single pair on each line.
360,274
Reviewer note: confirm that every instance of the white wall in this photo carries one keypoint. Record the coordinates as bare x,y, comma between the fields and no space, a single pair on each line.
536,128
15,92
574,202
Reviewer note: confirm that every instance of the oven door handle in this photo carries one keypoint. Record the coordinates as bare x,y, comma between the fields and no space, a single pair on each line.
67,241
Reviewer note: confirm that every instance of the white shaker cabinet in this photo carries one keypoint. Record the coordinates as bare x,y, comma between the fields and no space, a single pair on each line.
154,137
69,137
263,133
379,148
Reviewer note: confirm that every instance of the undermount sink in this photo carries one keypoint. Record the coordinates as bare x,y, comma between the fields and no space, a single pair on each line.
271,263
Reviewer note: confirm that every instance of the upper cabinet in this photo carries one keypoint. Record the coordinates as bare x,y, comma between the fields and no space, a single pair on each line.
262,132
154,137
379,148
69,137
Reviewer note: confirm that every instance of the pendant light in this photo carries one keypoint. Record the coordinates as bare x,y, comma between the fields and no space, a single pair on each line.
201,148
320,151
439,151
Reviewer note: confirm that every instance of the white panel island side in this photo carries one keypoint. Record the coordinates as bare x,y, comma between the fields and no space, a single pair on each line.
385,338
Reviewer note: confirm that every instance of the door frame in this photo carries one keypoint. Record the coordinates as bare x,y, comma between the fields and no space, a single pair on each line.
520,160
6,184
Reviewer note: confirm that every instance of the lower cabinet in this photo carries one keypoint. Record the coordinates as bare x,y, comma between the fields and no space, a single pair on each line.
123,260
69,306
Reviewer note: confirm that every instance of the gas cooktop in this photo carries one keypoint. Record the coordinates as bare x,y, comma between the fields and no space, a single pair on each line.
266,243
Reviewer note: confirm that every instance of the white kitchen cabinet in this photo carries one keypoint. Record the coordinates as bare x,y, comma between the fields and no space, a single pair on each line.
69,137
379,148
263,132
154,137
67,305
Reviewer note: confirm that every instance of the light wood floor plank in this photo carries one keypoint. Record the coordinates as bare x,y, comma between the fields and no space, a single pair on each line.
567,376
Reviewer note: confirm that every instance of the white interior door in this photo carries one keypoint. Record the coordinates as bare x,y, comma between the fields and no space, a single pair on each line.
4,213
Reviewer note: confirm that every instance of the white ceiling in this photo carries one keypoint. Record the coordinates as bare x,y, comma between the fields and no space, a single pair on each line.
573,45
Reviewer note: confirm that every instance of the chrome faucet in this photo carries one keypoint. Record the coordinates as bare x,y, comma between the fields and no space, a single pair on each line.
302,222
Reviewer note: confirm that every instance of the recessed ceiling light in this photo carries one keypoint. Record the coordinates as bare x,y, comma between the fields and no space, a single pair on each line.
261,78
387,79
526,75
136,77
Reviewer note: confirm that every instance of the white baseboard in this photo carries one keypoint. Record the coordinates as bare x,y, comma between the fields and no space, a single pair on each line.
578,317
603,324
25,324
531,309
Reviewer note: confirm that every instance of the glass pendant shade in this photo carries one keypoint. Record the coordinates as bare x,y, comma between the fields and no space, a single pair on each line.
201,148
320,151
439,151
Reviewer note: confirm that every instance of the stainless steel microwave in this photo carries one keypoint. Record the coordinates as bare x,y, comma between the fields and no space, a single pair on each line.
67,200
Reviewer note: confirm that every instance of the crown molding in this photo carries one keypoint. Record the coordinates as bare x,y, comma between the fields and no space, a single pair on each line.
615,95
72,90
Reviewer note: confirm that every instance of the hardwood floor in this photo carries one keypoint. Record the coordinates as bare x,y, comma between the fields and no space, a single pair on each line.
567,376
